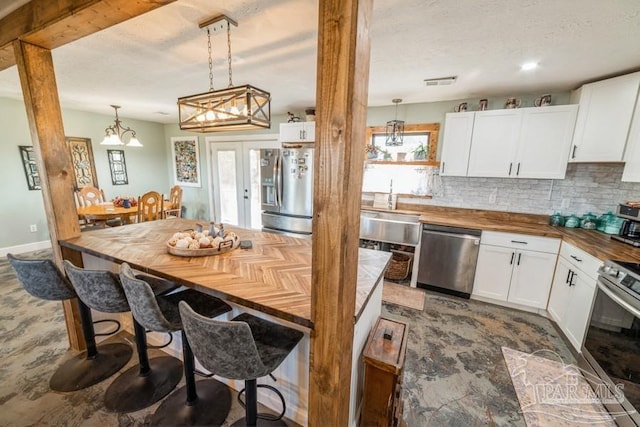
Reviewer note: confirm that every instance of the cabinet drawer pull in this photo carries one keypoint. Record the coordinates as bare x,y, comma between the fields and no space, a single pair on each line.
513,254
576,258
520,241
510,166
519,256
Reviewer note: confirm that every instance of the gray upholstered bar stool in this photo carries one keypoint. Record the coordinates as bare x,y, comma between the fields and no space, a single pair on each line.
245,348
42,279
146,383
205,402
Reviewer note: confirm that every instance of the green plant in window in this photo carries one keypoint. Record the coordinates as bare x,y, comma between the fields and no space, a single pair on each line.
420,152
372,151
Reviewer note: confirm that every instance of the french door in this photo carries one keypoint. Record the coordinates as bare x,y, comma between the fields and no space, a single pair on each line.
235,178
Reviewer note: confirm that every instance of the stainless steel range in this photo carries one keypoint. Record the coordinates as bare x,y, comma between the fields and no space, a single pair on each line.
612,342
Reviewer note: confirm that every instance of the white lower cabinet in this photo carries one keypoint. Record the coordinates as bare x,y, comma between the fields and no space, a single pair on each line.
515,268
572,292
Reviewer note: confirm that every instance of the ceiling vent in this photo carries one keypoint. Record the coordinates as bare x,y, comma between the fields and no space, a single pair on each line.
441,81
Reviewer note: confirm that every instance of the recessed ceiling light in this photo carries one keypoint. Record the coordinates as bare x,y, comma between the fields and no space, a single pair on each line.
528,66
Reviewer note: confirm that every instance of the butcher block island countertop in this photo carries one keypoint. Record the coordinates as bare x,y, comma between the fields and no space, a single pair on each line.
595,243
274,276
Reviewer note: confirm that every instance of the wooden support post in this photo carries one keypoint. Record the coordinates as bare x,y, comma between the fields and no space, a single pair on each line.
37,78
342,85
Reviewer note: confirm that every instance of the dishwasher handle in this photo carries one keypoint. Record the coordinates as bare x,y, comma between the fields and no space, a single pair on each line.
452,230
476,239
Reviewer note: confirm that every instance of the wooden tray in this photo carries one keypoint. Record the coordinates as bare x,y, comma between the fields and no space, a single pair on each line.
227,246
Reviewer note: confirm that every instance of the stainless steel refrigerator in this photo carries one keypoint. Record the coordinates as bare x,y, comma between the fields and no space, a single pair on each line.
286,175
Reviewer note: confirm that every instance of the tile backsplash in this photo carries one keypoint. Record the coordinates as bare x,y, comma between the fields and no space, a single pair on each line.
586,188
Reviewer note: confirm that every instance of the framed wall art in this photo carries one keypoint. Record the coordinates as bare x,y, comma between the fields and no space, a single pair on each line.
30,167
186,161
118,167
84,168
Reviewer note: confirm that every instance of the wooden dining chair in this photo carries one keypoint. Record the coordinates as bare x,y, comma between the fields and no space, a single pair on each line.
150,206
90,196
174,207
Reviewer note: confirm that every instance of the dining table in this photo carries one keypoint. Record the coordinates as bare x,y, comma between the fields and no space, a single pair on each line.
106,211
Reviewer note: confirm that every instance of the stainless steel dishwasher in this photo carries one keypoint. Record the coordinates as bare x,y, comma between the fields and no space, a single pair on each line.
448,257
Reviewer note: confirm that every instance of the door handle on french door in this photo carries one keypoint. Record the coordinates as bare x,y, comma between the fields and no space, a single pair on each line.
246,195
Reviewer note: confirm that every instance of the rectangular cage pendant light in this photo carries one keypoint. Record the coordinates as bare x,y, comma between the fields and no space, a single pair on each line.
235,108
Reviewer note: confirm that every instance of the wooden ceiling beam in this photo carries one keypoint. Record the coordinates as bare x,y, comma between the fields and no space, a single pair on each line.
51,24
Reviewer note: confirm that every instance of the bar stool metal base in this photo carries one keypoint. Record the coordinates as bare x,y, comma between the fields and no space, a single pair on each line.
79,372
132,391
261,423
211,408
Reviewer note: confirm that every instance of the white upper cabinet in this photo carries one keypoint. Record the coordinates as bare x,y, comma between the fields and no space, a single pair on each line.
631,171
456,144
494,141
298,132
545,141
522,143
604,117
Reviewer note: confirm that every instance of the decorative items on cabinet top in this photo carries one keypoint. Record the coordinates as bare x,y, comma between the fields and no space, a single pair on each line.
510,103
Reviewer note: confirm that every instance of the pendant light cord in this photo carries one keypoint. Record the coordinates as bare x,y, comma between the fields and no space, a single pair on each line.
229,52
210,60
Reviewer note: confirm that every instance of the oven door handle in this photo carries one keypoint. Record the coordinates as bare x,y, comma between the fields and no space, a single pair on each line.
631,309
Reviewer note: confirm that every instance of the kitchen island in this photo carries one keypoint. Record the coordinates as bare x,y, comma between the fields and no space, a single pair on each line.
271,280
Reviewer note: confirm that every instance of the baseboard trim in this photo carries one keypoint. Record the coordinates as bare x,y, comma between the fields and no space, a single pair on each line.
19,249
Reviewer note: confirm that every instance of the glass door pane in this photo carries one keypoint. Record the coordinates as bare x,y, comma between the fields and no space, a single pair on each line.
228,187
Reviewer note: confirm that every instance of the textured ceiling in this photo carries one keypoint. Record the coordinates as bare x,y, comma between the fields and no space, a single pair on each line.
146,63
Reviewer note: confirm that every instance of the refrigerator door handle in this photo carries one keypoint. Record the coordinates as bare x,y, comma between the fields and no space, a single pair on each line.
277,175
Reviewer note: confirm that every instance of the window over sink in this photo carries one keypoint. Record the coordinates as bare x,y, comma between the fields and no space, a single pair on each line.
403,165
419,146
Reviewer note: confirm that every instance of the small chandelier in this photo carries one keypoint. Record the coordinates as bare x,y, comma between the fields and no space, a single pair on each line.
395,128
114,133
235,108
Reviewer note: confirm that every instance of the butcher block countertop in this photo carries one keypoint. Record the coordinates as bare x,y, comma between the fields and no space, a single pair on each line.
273,277
595,243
